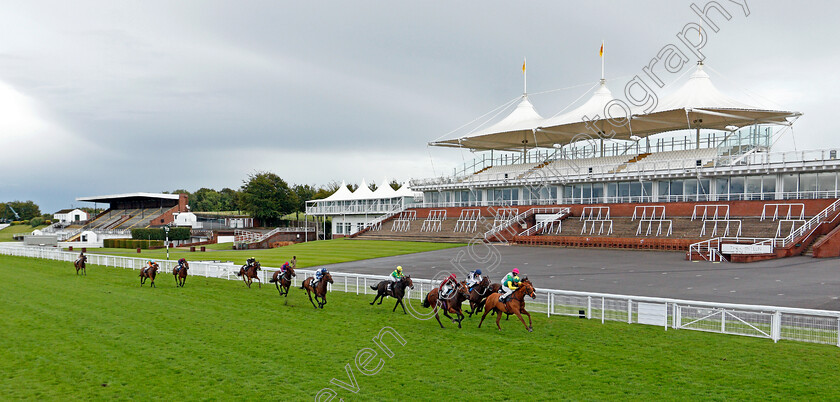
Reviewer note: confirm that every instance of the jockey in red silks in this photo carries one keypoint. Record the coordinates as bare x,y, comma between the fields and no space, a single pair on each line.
447,286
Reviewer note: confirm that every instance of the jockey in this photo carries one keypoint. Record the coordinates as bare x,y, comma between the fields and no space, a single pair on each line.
81,256
284,268
448,284
181,263
249,263
149,264
318,275
473,278
510,283
395,277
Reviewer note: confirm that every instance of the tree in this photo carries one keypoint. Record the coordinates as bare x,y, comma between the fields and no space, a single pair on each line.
227,200
372,186
205,200
326,191
395,184
267,197
26,209
304,192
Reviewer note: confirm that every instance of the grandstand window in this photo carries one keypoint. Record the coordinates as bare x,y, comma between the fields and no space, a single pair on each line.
790,184
826,181
597,192
808,185
705,189
753,187
664,189
690,189
347,228
338,229
722,189
676,190
768,187
567,193
736,188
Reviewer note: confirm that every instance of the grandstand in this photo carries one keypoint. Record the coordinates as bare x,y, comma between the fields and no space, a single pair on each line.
129,211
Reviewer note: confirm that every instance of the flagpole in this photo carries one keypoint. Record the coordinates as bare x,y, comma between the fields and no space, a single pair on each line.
524,76
602,60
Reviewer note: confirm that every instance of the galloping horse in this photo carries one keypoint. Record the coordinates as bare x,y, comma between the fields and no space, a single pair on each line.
180,274
320,291
149,273
80,265
283,281
398,292
514,305
249,273
452,304
480,292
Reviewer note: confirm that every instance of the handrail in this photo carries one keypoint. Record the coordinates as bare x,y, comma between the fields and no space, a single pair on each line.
519,217
540,225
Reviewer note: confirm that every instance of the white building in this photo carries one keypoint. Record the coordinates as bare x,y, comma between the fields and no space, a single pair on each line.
354,211
70,216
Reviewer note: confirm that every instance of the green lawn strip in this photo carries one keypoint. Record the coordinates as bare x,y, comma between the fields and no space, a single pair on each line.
7,233
308,254
64,336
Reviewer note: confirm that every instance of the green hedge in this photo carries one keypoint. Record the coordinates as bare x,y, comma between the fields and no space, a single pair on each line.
159,234
132,244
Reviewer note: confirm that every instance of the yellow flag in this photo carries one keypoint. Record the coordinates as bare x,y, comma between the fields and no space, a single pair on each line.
601,53
523,67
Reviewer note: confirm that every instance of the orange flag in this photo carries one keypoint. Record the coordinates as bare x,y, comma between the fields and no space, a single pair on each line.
601,53
523,67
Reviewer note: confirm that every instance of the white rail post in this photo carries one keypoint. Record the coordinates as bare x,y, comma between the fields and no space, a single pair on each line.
548,306
603,308
723,320
589,307
629,311
776,326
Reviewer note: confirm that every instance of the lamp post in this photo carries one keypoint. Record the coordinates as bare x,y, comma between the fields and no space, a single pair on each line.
166,230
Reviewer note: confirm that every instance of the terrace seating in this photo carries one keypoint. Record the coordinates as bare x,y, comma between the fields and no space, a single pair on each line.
434,222
403,222
468,220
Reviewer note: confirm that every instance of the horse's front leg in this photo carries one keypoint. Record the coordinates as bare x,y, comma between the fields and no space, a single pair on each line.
522,310
308,293
522,320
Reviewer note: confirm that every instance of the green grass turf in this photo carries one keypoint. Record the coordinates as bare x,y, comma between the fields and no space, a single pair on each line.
7,233
103,336
308,254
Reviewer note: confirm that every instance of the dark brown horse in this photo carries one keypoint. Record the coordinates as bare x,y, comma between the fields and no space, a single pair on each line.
149,273
282,281
249,274
514,305
80,265
398,292
320,290
180,274
479,292
452,304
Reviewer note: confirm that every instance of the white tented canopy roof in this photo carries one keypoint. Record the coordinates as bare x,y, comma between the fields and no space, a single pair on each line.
384,190
342,194
508,133
363,192
405,191
696,104
699,104
566,127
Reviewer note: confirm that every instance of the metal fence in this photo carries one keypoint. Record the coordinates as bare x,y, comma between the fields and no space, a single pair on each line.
805,325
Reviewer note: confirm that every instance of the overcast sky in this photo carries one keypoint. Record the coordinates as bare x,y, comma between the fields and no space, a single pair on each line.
107,97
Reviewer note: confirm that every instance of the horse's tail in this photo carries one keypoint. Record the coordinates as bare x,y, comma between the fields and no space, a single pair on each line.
272,280
303,283
374,287
426,303
239,273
